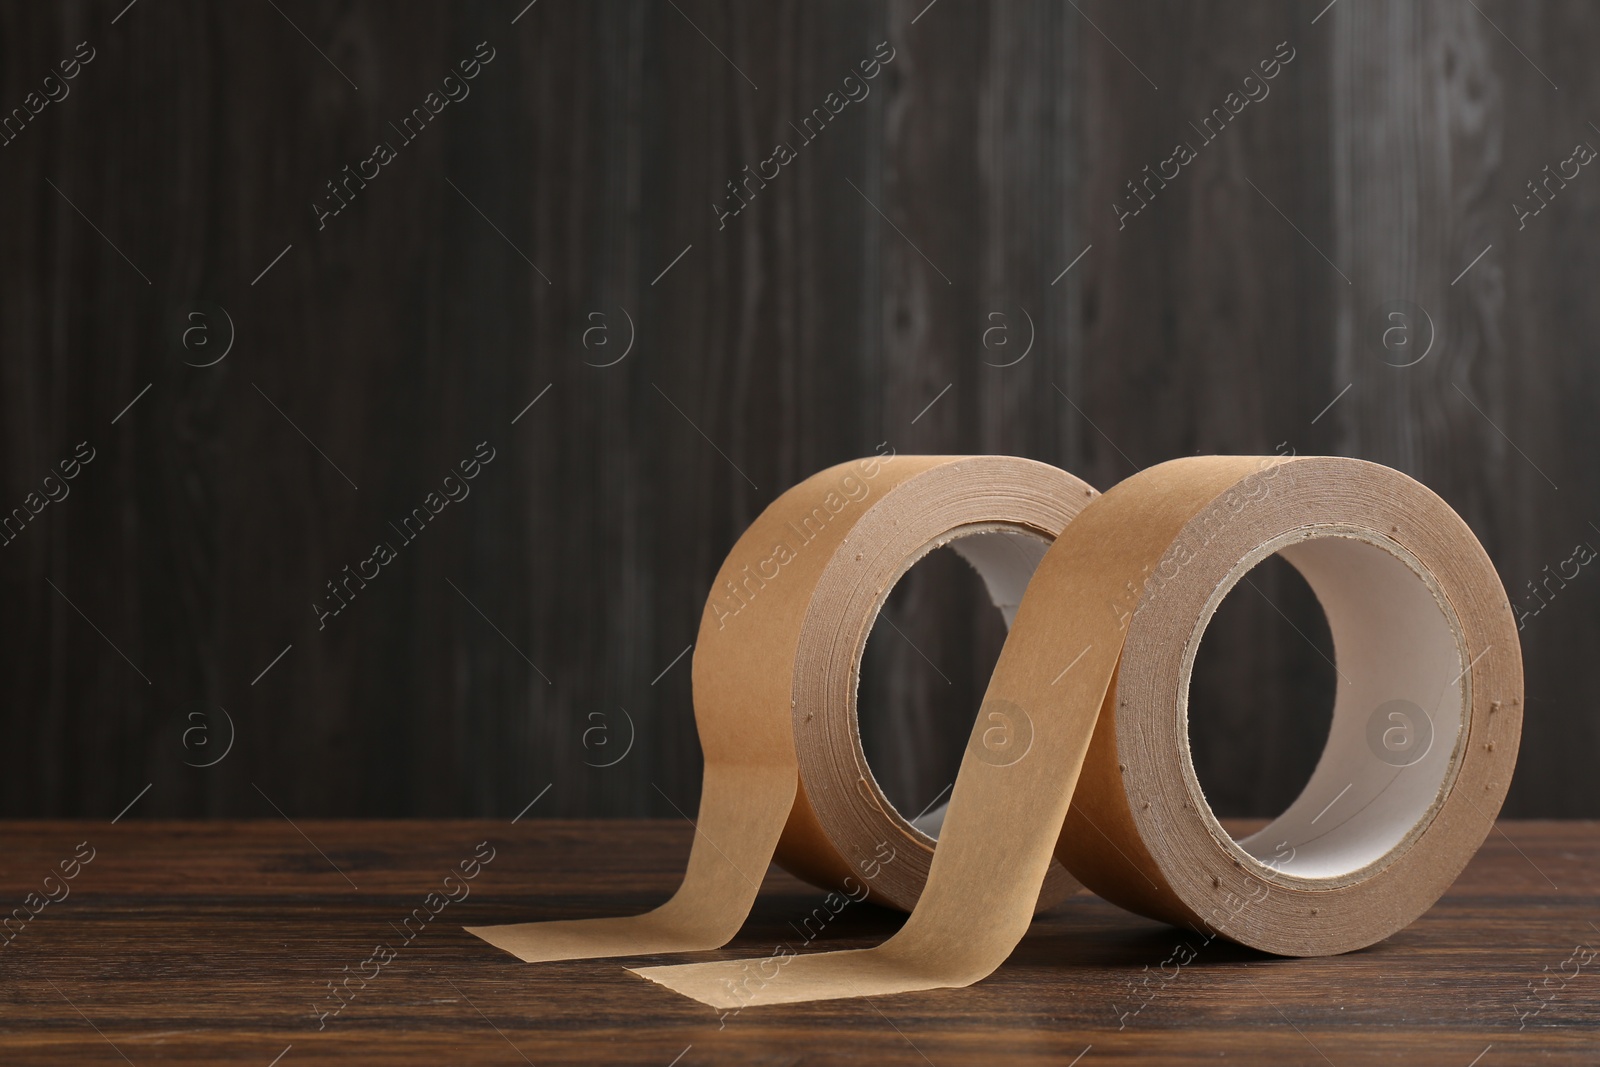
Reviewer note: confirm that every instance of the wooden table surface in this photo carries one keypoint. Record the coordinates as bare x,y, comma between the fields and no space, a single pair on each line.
216,942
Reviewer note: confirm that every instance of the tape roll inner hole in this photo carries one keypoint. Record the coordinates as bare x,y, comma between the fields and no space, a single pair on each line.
1399,716
1005,558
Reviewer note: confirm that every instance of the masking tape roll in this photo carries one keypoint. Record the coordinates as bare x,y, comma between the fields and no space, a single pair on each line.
775,671
1424,735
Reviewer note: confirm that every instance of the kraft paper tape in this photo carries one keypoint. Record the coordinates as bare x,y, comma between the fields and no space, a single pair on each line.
1097,669
774,677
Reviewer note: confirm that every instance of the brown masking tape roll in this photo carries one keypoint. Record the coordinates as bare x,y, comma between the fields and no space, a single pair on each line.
1098,664
775,671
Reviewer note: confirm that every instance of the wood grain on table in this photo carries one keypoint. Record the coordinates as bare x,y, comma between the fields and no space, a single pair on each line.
216,942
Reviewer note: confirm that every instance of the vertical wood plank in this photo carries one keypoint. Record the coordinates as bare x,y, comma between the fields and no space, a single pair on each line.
820,320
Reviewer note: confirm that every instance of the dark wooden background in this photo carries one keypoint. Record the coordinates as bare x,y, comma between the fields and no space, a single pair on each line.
497,653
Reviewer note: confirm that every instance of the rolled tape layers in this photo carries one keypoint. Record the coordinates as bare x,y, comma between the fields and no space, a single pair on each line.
1096,671
775,670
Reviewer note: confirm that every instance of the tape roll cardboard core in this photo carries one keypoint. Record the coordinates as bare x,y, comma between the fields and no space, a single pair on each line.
834,768
1399,713
1000,515
1004,558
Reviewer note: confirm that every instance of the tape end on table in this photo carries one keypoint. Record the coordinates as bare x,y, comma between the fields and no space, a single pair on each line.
668,977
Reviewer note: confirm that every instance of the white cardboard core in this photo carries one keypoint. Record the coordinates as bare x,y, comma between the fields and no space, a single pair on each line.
1397,719
1005,558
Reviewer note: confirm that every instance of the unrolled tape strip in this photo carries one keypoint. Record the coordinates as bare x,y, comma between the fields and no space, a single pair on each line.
1096,769
775,672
